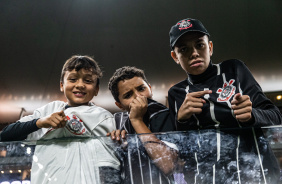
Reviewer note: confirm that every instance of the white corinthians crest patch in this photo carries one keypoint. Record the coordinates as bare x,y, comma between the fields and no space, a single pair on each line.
226,92
75,125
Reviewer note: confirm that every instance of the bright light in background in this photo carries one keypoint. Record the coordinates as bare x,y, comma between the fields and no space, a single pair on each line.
11,105
271,86
270,83
7,107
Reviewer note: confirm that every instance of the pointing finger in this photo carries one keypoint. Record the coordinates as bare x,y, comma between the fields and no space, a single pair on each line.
237,96
200,93
61,113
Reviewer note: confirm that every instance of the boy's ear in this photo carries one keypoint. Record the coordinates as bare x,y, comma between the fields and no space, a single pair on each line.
174,57
61,87
96,91
119,105
211,48
150,89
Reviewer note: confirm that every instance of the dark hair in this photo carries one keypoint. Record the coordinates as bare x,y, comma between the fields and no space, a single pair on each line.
78,62
124,73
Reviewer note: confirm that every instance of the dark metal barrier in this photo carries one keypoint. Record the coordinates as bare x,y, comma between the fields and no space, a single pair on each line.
245,155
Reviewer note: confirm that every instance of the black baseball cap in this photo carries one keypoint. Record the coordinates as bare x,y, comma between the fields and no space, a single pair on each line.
184,26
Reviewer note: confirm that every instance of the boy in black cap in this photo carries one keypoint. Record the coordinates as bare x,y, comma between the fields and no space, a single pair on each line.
218,96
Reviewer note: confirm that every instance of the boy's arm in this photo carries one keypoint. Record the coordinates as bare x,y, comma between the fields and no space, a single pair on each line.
18,131
264,112
163,156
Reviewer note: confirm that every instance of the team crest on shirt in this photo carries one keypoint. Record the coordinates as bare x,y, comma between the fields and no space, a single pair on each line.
226,92
184,24
75,125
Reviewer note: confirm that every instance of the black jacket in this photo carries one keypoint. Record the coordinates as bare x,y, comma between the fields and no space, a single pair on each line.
222,153
137,166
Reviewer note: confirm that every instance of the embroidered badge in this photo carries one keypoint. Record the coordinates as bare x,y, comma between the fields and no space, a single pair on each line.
184,24
75,125
226,92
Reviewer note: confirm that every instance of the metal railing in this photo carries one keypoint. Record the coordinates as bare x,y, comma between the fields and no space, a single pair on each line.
245,155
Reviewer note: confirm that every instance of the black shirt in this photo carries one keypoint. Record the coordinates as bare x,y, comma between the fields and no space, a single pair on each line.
137,166
229,146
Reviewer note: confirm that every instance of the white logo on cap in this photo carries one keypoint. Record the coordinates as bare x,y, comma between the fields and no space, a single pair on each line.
184,24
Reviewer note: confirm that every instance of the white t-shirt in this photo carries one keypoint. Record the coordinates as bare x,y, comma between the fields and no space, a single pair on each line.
78,154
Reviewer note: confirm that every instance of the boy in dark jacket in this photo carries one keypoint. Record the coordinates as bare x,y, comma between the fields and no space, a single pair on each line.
142,115
213,98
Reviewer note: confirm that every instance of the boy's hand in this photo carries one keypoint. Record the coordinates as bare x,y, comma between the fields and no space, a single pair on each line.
242,106
116,134
55,120
138,108
192,104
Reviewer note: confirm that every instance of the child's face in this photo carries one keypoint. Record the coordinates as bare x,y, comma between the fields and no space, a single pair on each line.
193,51
130,89
79,87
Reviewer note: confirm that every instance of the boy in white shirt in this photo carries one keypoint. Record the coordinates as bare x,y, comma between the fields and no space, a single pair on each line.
78,158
